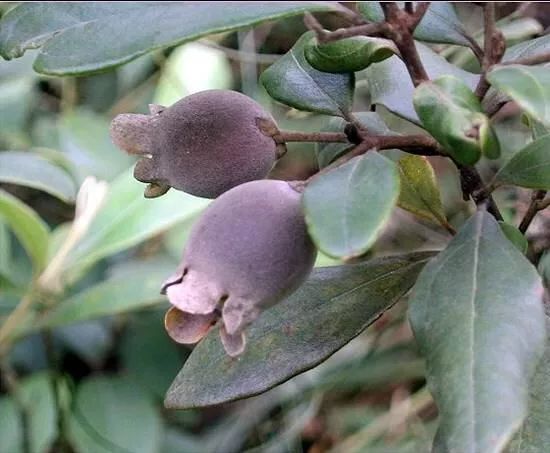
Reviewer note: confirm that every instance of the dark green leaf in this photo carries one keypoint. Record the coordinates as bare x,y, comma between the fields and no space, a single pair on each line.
514,236
148,354
450,111
477,314
529,167
328,152
33,170
77,38
349,54
534,434
347,208
330,309
526,85
29,228
440,24
110,415
390,84
419,192
293,81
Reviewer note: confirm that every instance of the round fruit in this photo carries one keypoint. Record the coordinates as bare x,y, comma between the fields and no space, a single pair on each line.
204,144
248,251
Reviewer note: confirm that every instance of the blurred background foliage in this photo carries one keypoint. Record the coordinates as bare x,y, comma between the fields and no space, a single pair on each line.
104,348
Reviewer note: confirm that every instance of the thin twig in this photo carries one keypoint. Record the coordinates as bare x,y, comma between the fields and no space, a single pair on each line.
494,44
399,414
325,36
322,137
473,186
535,206
400,28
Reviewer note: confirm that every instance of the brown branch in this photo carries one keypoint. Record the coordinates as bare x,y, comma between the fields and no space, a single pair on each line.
325,36
473,187
537,204
298,136
494,44
399,28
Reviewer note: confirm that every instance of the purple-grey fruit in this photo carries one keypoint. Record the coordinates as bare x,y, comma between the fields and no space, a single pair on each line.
248,251
204,144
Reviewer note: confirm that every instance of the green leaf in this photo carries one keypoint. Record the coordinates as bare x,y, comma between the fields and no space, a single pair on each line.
526,85
440,24
529,167
478,318
534,435
33,170
537,128
347,207
28,227
328,152
148,354
85,141
36,393
77,38
110,415
349,54
514,236
419,192
293,81
390,84
127,218
529,48
450,111
332,307
111,297
11,431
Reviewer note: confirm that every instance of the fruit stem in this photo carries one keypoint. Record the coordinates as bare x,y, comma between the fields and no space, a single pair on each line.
297,136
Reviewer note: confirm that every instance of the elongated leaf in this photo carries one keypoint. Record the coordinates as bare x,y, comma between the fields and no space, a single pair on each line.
77,38
390,84
293,81
84,139
327,152
534,435
419,192
122,416
529,167
330,309
113,296
477,314
347,208
127,218
32,170
440,24
29,228
526,85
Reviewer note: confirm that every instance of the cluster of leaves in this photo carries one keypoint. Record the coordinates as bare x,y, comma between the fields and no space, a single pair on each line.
476,308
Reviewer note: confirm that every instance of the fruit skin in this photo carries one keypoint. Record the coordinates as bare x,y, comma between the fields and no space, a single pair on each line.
248,251
204,144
